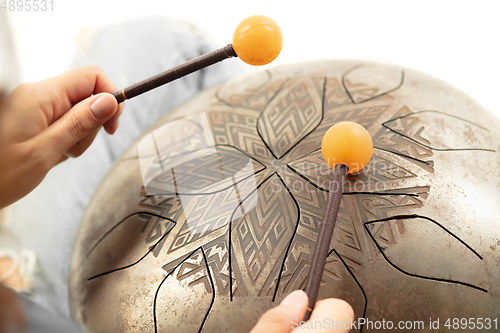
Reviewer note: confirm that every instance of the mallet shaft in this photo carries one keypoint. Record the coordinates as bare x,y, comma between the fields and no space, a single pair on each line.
322,246
175,73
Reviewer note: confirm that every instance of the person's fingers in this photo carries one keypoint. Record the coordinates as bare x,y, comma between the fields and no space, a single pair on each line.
81,146
112,125
82,82
280,319
73,86
334,315
78,123
62,159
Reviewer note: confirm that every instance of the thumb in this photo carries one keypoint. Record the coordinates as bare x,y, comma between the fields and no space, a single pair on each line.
79,122
285,316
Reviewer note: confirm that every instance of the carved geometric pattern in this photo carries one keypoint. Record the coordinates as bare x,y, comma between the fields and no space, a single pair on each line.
259,100
379,170
239,131
297,262
297,265
345,231
257,93
335,95
138,233
206,173
260,237
191,280
383,232
166,206
174,139
193,271
335,270
365,82
461,134
308,199
208,212
217,256
378,207
291,115
390,141
375,207
365,116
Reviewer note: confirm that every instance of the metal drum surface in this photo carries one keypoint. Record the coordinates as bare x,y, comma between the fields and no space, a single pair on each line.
211,216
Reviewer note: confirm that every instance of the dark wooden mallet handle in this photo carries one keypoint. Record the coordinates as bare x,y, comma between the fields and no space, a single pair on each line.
175,73
322,246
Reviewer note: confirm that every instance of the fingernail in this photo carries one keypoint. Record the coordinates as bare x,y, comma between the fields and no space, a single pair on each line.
103,106
295,298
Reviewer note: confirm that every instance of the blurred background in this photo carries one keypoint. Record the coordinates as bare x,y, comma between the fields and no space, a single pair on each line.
457,41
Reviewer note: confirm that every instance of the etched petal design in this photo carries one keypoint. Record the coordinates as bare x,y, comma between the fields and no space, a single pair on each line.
420,246
365,116
206,213
218,204
238,129
138,233
440,131
367,82
379,175
211,171
295,112
390,140
335,96
259,89
261,236
171,145
189,280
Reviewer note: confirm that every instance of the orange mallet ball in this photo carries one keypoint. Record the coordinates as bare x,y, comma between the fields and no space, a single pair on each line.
257,40
348,143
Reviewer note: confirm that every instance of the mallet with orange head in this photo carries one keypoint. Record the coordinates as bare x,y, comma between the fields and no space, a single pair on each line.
257,41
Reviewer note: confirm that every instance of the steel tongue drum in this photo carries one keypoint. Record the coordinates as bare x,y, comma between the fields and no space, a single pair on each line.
228,228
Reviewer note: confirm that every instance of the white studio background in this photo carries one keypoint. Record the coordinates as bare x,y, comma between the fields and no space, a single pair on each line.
456,41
